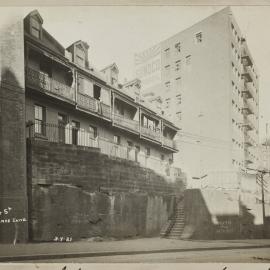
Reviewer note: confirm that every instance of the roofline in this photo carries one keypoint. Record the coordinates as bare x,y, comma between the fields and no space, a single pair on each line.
113,64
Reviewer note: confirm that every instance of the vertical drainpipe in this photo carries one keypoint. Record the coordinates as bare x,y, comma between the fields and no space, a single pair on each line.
161,131
113,98
140,121
76,85
26,58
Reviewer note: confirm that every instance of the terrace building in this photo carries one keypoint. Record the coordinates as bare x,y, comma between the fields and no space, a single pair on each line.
69,101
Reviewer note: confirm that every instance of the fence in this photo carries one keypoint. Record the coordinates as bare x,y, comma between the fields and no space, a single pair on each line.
69,134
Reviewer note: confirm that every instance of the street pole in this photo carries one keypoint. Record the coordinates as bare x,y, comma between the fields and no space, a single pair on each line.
263,206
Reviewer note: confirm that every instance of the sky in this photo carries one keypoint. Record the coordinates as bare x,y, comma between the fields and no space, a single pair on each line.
116,33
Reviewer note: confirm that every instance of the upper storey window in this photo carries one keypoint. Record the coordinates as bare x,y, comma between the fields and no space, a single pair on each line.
35,28
198,37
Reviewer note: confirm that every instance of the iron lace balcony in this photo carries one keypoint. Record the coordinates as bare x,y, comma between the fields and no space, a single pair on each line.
151,134
170,143
249,90
248,140
248,107
41,81
93,105
126,123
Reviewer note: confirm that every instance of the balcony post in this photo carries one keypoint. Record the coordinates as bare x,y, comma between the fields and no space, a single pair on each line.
161,132
76,84
113,101
140,120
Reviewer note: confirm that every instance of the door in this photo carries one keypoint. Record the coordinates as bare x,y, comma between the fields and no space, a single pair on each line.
137,151
129,149
62,120
75,131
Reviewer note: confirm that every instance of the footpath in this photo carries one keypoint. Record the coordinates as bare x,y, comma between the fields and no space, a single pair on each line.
57,250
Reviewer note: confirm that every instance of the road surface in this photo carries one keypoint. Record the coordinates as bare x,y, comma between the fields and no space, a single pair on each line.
254,255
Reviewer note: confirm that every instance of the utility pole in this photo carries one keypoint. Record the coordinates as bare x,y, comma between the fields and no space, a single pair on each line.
263,205
260,177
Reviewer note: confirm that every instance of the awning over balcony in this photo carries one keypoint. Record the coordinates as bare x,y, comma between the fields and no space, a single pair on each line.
50,56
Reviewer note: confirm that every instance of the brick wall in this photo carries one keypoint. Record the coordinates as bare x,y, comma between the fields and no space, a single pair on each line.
80,193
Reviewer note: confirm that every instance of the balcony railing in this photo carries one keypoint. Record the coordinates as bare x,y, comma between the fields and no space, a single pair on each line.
126,123
105,110
39,80
248,140
152,134
93,105
248,158
249,90
251,71
86,102
170,143
248,124
246,60
248,107
67,134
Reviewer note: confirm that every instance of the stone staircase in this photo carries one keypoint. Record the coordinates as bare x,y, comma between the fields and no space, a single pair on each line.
173,229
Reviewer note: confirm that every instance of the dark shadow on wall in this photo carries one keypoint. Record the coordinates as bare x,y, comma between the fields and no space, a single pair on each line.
13,186
200,224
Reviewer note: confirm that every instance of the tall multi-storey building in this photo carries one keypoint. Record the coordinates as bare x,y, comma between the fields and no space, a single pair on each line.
208,84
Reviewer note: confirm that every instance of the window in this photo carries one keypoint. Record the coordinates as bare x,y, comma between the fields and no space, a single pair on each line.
198,37
40,120
113,81
162,157
178,83
178,47
35,28
97,90
167,52
178,115
116,139
188,60
167,70
168,86
177,65
93,132
178,99
148,151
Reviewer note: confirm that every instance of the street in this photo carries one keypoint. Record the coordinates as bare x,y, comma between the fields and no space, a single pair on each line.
254,255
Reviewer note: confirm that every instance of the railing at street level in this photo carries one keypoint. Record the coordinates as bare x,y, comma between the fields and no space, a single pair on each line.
77,136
